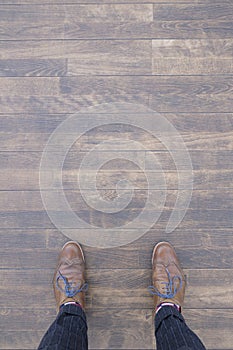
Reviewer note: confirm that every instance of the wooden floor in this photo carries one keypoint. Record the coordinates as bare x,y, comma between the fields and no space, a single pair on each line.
173,56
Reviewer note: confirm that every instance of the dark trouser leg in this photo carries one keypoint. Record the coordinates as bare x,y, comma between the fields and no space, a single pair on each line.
68,331
172,333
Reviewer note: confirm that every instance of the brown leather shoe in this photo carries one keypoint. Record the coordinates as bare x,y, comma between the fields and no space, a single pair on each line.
167,276
69,277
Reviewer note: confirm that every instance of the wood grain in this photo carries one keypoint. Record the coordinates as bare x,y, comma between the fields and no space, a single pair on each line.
16,201
39,123
57,2
31,132
190,57
15,86
80,58
194,219
193,255
142,321
31,160
161,93
27,180
53,239
108,287
172,56
106,57
211,10
116,20
33,67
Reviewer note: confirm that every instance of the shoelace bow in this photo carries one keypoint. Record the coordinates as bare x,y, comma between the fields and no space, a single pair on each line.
70,290
170,288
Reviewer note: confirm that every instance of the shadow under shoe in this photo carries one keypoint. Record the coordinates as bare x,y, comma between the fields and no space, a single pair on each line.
69,277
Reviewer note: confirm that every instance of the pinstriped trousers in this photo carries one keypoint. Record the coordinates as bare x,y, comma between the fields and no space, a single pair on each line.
69,331
172,333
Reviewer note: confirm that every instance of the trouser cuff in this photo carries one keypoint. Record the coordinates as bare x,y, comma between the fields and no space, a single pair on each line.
165,312
71,309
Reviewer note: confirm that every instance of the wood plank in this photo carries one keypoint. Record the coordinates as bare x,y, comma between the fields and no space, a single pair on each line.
202,29
42,259
36,142
66,49
72,104
197,248
111,58
182,12
23,239
196,48
189,57
189,244
116,21
176,29
108,287
206,162
30,85
34,123
20,201
199,131
198,319
141,332
33,67
52,21
164,94
28,179
27,339
35,137
21,340
53,239
114,57
167,94
57,2
203,180
131,85
102,337
56,58
200,160
196,219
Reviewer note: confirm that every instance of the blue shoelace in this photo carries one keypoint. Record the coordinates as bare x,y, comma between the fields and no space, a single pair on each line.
70,290
170,288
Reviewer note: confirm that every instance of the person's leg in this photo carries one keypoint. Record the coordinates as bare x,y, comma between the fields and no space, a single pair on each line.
172,333
168,288
69,330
